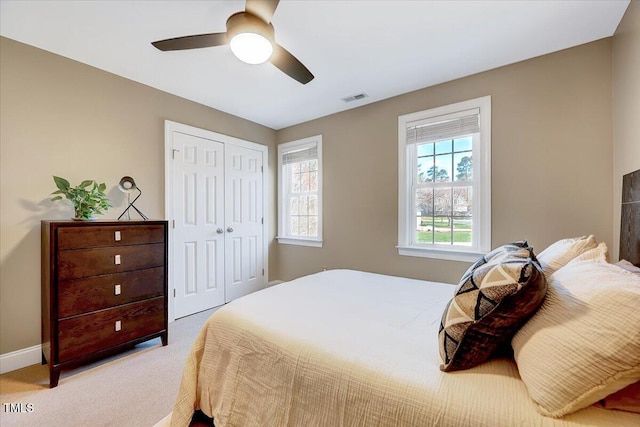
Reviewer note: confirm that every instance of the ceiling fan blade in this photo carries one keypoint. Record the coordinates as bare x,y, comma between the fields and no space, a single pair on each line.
289,65
192,42
263,9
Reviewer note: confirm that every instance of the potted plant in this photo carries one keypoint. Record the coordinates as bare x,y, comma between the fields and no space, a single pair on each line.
88,198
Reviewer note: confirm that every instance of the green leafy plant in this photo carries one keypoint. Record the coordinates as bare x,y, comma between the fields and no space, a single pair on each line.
88,198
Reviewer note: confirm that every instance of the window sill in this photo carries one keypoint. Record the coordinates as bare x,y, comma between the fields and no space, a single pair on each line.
447,254
299,242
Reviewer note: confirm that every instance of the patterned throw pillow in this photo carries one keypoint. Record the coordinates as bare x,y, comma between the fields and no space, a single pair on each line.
495,297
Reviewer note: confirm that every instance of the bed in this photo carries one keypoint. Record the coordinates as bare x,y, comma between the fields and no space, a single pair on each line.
351,348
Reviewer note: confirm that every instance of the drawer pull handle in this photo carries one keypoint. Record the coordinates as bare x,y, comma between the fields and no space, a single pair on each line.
118,325
117,290
117,259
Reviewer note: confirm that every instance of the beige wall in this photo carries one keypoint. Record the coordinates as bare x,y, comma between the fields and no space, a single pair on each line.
626,108
65,118
551,160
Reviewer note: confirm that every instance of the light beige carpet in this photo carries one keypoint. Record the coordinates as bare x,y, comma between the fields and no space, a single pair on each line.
136,388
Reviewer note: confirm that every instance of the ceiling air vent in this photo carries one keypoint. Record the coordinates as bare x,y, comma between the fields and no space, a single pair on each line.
355,97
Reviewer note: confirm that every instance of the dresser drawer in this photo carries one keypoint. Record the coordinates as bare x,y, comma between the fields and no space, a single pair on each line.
81,335
95,293
98,236
80,263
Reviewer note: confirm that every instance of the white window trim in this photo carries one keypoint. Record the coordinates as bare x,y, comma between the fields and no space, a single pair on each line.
300,242
282,237
481,187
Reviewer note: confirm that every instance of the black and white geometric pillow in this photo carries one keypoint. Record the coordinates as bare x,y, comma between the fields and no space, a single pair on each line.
495,297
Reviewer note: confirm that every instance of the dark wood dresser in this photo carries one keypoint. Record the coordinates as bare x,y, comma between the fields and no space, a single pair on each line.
104,289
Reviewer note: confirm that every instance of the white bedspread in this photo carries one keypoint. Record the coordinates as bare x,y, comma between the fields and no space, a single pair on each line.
348,348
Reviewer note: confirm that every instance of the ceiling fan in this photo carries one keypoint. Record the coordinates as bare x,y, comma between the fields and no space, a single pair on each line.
251,37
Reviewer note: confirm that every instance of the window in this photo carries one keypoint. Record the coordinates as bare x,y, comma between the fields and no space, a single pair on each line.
300,192
444,194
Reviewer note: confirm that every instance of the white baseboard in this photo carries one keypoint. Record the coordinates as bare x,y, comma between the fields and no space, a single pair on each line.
20,358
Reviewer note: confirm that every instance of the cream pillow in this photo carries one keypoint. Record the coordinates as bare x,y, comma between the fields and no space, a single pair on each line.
583,344
561,252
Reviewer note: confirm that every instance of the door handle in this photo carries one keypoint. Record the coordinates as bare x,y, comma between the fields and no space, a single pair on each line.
219,230
229,230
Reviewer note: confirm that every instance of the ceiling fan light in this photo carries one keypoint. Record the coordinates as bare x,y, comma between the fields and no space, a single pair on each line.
251,48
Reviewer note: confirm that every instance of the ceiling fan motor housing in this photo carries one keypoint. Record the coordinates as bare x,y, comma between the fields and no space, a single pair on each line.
245,22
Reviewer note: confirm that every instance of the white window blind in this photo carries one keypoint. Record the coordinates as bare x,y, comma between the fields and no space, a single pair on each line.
444,127
300,154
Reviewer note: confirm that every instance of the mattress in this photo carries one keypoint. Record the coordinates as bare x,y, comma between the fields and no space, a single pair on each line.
349,348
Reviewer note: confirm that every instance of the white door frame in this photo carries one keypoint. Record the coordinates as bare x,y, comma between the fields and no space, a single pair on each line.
169,128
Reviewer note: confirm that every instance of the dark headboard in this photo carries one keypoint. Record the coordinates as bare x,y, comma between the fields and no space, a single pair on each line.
630,221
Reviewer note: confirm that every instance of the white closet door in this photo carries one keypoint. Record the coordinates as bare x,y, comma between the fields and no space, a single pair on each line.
214,198
198,211
244,265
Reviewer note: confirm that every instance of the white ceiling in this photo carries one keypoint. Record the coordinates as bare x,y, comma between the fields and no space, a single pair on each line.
383,48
